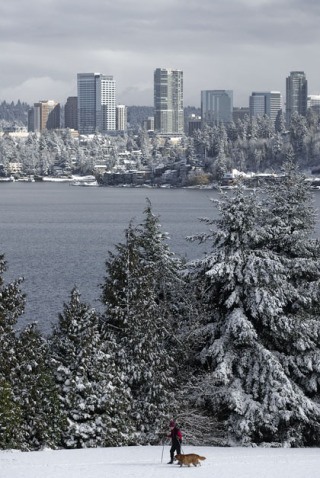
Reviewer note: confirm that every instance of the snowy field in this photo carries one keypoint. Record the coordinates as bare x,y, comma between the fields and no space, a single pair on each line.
145,462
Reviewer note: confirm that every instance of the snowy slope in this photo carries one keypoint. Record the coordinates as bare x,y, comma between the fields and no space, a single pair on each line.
145,462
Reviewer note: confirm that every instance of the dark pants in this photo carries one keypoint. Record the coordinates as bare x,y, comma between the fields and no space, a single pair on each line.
176,446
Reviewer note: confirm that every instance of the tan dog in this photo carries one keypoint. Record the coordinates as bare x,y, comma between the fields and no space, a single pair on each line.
190,459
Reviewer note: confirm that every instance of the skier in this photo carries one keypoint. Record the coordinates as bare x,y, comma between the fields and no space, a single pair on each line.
176,439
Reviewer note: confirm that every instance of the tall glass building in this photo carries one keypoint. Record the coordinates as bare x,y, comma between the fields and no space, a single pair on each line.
96,103
296,94
265,103
71,113
216,106
168,101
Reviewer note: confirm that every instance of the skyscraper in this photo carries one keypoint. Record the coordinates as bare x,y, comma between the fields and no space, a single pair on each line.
71,113
44,115
108,103
121,118
168,101
296,94
265,103
96,103
216,106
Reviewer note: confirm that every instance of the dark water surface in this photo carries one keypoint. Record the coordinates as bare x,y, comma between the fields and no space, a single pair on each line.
57,236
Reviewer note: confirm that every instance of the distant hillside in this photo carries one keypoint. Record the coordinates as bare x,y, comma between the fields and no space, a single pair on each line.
138,114
14,113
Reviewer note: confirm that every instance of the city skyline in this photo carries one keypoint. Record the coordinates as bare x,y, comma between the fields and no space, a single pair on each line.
239,45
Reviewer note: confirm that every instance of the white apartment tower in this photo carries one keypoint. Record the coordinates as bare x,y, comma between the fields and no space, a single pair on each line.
96,103
121,118
265,103
168,101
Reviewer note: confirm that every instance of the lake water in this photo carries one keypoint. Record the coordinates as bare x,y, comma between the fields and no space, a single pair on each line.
57,236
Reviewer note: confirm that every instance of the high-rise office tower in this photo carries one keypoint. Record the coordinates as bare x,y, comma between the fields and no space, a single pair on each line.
121,118
216,106
296,94
44,115
71,113
96,103
265,103
168,101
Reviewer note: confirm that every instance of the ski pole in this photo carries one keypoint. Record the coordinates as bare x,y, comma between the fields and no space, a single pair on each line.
162,452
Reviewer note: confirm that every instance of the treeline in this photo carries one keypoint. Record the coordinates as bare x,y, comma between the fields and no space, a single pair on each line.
13,115
56,149
258,145
249,145
229,344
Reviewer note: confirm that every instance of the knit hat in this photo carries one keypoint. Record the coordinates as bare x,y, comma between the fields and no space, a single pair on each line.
172,424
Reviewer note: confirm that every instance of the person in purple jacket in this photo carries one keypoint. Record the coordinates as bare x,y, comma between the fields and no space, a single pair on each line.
176,439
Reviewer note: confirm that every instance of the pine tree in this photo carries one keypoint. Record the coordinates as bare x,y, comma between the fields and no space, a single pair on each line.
291,214
258,346
163,265
12,302
265,127
93,399
280,123
190,152
10,418
142,296
221,165
35,392
298,133
291,222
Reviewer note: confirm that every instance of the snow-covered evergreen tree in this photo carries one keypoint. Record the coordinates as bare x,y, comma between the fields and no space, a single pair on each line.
291,214
142,295
258,346
94,400
290,227
298,133
35,392
280,123
10,418
12,302
163,265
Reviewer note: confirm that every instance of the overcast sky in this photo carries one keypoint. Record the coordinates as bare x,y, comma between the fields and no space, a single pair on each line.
242,45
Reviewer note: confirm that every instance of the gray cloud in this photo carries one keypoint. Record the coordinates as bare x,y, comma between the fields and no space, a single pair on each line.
243,45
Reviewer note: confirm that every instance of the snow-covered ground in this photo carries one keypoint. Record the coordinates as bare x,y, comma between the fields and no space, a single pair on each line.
145,462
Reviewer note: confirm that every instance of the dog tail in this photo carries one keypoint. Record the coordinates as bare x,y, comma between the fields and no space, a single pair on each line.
202,457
